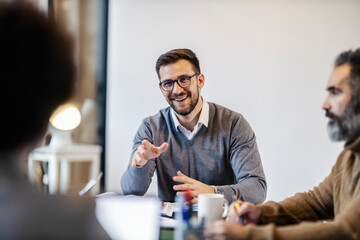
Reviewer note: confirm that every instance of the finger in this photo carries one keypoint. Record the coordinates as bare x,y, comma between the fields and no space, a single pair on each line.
233,217
138,160
245,208
179,179
233,209
141,150
183,192
194,200
237,205
183,178
182,187
146,144
162,148
148,150
133,163
180,174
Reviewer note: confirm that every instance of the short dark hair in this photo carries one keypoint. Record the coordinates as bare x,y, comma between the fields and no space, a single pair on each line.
37,72
175,55
353,59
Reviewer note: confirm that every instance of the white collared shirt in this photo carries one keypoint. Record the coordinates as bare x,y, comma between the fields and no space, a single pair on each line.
203,120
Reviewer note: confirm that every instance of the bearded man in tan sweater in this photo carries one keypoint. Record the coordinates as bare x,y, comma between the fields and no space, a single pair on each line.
332,209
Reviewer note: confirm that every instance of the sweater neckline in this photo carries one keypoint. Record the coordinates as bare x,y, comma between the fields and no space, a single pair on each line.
354,145
202,127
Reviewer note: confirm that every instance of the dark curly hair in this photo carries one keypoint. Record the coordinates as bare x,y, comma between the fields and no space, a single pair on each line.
36,72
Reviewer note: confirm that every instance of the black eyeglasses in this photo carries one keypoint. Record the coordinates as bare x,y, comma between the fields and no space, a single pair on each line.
183,82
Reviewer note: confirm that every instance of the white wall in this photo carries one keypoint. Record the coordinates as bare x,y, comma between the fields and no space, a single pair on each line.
268,60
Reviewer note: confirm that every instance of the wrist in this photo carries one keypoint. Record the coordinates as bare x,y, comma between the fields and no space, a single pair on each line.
218,190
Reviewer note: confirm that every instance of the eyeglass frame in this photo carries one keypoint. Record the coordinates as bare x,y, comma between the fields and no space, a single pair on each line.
177,81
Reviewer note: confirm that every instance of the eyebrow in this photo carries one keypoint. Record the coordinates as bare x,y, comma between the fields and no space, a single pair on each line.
184,75
332,88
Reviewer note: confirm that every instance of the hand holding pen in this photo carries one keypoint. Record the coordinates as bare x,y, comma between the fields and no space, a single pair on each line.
237,207
243,212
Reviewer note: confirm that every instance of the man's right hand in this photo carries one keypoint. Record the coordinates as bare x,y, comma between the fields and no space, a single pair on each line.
249,211
147,151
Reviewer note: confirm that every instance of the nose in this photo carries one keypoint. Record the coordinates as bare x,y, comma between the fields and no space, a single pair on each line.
326,104
177,89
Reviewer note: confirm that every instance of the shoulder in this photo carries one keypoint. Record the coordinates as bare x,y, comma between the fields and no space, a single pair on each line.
162,115
345,161
221,110
224,114
223,119
156,124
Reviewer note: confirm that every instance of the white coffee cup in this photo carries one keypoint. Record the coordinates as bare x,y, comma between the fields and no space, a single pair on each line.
212,207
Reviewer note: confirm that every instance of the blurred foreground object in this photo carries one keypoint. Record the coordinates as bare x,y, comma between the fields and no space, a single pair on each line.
37,75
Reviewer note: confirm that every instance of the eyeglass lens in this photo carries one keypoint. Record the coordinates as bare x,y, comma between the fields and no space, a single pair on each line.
183,82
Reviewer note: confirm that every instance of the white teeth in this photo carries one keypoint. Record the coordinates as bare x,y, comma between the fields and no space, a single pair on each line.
180,99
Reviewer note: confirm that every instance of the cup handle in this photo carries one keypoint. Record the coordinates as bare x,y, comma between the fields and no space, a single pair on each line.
226,208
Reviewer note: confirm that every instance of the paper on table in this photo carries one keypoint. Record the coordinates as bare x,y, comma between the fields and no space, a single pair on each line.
168,208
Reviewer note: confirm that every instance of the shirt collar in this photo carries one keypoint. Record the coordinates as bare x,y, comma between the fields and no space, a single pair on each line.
203,118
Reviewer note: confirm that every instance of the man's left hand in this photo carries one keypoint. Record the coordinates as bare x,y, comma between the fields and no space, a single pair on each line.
193,185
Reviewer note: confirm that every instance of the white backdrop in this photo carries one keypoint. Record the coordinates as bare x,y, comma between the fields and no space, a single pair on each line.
269,60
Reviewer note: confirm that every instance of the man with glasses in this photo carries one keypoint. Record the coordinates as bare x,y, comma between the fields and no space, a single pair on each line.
193,144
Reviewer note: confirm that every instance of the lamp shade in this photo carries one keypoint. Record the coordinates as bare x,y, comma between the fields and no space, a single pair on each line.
64,119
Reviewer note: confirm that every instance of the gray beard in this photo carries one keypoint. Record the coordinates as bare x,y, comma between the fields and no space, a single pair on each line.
345,128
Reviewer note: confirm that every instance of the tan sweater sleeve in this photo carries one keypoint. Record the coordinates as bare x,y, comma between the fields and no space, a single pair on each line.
345,226
313,205
304,215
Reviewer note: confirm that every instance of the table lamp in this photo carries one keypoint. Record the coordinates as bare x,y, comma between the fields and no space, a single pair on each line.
64,119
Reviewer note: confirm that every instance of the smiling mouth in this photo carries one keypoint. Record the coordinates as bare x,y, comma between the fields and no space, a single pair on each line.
180,99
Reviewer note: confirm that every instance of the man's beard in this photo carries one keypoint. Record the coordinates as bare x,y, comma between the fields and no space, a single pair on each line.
346,127
193,103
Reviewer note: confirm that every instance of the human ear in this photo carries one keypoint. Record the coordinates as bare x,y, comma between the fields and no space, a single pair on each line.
201,81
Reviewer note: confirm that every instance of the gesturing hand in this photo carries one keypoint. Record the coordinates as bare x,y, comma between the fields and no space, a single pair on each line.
147,151
193,185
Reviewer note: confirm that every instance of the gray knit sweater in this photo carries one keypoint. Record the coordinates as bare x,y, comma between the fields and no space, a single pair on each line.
224,154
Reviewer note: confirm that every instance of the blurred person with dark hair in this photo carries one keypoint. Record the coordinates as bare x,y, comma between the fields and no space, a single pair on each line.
203,147
332,209
36,74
